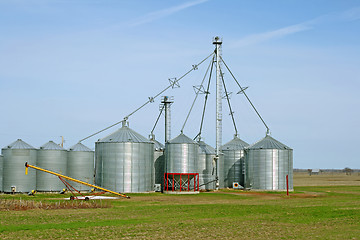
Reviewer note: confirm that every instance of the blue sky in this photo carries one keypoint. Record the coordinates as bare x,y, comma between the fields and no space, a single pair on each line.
71,68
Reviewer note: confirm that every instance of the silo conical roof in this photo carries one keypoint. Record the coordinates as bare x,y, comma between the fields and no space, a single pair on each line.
182,138
235,144
268,143
51,146
125,134
158,146
205,148
79,147
19,144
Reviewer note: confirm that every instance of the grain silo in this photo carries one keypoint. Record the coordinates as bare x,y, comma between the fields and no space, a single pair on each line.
15,157
125,162
206,166
51,157
159,161
267,163
181,157
1,172
80,165
233,169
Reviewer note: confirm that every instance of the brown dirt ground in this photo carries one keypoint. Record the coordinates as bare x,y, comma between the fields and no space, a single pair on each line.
326,179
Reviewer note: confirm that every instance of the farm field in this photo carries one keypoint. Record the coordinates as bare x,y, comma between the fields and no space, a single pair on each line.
321,207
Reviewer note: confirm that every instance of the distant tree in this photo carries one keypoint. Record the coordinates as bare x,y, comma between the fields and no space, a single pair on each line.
347,171
309,171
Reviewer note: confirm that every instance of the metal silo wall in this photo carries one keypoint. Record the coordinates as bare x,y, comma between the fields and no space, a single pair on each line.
1,172
205,170
266,169
80,166
53,160
233,167
98,164
125,167
181,157
159,161
14,170
220,170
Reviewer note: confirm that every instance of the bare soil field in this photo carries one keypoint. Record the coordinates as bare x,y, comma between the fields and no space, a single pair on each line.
326,179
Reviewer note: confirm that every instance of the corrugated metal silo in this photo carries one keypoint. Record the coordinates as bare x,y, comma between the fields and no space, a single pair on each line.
159,161
267,164
52,157
15,157
206,168
220,170
234,159
125,162
1,172
181,155
80,165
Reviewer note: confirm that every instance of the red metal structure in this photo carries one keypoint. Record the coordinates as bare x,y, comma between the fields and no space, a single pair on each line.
181,182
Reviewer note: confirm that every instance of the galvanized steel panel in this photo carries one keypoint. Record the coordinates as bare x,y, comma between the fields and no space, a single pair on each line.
98,164
221,172
266,169
205,166
159,165
15,156
125,167
54,158
80,165
233,161
159,162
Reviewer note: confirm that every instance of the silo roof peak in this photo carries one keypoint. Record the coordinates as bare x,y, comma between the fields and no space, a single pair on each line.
268,142
182,138
79,147
125,134
235,144
19,144
51,146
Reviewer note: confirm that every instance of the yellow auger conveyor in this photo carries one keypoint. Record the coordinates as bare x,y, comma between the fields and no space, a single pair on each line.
72,179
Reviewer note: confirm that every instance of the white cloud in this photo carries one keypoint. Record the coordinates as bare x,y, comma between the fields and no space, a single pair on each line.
351,15
345,16
262,37
164,13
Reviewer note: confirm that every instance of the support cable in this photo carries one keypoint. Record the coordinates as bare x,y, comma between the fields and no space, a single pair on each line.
205,102
228,101
196,96
171,85
150,99
156,122
242,89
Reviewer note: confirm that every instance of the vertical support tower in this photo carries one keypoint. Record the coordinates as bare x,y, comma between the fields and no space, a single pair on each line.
167,101
217,42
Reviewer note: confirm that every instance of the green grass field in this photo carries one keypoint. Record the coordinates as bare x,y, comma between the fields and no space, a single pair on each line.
311,212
